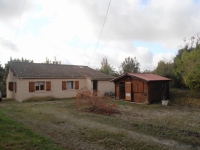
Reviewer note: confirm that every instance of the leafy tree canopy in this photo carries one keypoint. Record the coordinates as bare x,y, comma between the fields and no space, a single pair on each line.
187,64
130,65
106,67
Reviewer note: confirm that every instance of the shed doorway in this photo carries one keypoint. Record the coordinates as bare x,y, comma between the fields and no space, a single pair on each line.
122,90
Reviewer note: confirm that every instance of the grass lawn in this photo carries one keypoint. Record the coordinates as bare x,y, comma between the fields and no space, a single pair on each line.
14,135
135,127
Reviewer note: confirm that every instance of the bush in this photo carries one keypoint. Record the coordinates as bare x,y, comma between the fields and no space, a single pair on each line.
92,102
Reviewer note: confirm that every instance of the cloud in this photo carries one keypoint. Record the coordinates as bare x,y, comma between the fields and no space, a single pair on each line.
167,21
8,45
73,28
11,10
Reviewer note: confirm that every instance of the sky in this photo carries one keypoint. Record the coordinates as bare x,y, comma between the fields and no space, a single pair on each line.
150,30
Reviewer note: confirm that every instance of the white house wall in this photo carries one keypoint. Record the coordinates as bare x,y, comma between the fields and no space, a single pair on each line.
89,84
56,89
10,78
105,87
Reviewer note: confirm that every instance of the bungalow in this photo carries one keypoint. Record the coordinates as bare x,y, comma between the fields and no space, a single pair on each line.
141,88
28,80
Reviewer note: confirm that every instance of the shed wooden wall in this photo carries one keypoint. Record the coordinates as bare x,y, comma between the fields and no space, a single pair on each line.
139,89
142,92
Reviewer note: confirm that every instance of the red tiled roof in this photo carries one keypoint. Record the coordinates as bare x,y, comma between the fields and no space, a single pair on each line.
144,76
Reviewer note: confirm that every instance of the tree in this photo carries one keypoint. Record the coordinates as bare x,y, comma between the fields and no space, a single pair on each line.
48,61
21,60
166,69
2,81
130,65
191,67
105,67
187,64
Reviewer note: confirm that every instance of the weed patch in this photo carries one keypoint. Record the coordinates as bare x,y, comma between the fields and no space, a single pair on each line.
182,97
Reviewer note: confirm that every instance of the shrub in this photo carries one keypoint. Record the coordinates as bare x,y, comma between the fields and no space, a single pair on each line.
92,102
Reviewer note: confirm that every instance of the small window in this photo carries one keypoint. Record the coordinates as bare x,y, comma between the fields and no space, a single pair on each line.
70,84
12,86
39,86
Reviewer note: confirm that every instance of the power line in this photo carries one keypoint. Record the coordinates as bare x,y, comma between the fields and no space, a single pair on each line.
19,23
100,32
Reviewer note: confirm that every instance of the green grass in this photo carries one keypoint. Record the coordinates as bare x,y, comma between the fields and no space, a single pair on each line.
115,140
14,135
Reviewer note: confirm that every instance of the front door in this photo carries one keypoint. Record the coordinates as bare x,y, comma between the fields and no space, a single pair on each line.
95,85
128,91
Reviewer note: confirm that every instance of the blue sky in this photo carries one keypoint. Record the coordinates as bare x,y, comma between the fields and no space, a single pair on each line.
150,30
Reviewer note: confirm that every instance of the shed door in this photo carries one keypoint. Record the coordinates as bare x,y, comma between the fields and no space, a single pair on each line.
128,91
117,91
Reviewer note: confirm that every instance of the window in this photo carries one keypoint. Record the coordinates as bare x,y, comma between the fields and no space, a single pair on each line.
12,86
39,86
70,84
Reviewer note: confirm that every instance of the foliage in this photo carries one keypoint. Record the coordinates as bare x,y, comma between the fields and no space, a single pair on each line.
2,81
191,67
166,69
187,64
106,68
48,61
95,103
130,65
21,60
185,70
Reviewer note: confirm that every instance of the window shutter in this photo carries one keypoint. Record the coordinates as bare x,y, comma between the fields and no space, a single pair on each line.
76,85
31,86
135,87
141,87
64,85
128,90
48,86
10,86
15,87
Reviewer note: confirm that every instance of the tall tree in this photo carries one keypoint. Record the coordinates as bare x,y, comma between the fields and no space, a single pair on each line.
187,64
105,67
130,65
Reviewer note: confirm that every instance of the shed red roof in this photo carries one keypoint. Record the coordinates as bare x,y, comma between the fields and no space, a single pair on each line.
144,76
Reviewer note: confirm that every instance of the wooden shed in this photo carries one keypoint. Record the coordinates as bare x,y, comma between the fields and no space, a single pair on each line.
141,88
